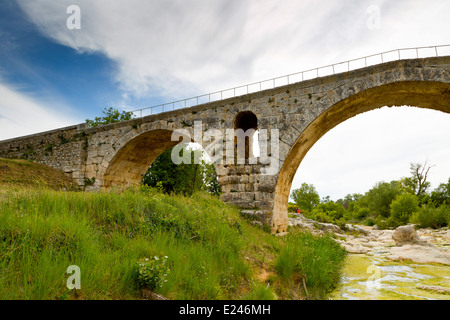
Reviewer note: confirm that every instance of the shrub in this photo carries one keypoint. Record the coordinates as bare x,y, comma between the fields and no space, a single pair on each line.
360,212
329,212
432,217
381,222
152,273
292,207
369,222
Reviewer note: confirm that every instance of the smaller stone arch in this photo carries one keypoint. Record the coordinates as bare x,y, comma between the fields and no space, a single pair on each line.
246,120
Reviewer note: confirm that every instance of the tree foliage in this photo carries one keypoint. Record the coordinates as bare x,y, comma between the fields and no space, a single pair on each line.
110,115
386,204
380,197
402,208
182,178
329,212
441,195
306,197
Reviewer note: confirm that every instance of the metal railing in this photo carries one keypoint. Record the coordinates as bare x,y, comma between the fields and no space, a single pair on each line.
332,69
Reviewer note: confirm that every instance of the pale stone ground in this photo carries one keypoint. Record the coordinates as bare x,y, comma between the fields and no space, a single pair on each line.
431,246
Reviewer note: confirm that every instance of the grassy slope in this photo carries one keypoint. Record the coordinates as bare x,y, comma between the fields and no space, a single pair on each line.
213,253
24,173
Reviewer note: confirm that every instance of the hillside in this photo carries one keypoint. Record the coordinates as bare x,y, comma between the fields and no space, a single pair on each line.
24,173
132,244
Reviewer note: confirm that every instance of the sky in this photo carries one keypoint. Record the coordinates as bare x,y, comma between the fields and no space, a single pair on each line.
139,53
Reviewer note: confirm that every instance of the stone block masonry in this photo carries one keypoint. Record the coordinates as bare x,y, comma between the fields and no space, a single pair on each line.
119,154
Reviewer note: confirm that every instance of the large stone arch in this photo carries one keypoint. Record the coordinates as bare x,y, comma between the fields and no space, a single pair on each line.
134,152
132,160
423,94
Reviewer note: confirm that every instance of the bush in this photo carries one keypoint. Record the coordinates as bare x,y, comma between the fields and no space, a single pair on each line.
381,222
152,273
329,212
432,217
292,207
369,222
360,212
402,208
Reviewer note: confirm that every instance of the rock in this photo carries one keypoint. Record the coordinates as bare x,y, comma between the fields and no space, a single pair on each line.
419,254
435,288
354,247
313,226
147,294
406,235
328,227
301,222
257,224
385,236
353,228
256,215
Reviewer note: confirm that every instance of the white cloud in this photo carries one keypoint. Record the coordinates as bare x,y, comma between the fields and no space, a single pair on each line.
22,115
177,48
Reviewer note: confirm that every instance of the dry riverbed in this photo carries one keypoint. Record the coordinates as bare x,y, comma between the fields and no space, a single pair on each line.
378,267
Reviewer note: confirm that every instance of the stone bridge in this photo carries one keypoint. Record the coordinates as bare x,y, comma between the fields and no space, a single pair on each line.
120,153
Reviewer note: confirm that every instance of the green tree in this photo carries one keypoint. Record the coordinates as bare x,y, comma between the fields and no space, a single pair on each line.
431,216
306,197
441,195
358,209
329,212
182,178
348,199
380,197
111,115
211,180
402,208
417,183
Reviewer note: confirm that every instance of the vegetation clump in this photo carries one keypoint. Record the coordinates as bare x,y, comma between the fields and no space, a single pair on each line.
110,115
386,205
152,272
119,241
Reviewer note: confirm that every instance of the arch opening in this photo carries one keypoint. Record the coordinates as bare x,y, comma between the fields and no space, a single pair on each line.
131,162
429,95
247,120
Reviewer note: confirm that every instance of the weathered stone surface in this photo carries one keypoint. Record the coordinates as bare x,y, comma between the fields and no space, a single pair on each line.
262,216
437,289
119,154
301,221
419,254
406,235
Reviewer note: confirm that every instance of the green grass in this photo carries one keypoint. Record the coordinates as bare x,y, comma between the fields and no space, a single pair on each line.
24,173
213,252
314,262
